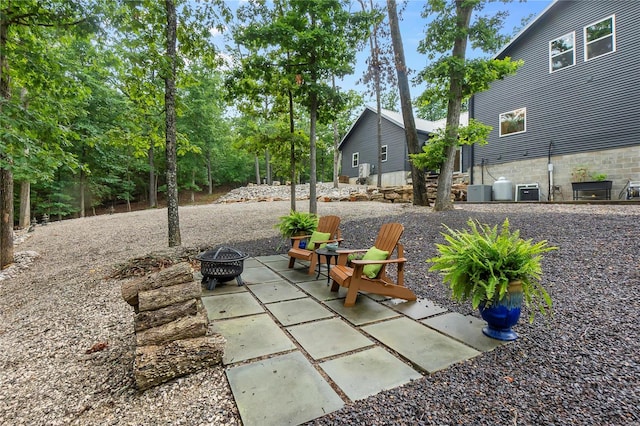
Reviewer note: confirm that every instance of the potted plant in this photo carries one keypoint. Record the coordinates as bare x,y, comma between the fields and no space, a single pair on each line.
297,223
589,185
495,269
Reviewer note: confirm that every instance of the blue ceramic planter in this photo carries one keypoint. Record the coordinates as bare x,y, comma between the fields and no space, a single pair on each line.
504,314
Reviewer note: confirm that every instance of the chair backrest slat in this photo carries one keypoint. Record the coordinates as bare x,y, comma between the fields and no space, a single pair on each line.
388,236
329,224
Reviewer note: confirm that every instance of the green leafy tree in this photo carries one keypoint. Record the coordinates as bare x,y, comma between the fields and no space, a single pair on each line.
24,27
452,76
313,41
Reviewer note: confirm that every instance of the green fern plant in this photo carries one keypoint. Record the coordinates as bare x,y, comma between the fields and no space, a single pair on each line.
479,263
297,223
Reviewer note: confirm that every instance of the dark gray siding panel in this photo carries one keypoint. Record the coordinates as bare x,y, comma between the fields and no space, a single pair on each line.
364,140
590,106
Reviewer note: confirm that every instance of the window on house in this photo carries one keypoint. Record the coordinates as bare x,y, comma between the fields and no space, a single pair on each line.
562,52
383,153
513,122
354,159
599,38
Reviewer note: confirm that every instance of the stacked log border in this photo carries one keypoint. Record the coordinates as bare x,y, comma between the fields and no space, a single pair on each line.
171,326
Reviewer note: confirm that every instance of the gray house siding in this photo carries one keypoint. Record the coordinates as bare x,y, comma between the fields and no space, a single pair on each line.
590,106
363,140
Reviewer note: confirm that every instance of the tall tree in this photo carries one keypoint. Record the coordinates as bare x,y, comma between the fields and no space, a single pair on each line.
454,77
314,41
413,145
170,116
19,20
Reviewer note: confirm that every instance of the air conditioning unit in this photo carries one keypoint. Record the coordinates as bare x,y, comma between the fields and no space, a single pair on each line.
364,170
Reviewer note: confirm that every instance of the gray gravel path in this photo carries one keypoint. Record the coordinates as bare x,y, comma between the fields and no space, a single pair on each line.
581,367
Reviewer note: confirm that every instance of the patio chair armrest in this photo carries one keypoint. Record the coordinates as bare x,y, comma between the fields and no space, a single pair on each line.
378,262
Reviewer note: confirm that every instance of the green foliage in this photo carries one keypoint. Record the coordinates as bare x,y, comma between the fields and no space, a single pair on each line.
297,223
478,264
434,154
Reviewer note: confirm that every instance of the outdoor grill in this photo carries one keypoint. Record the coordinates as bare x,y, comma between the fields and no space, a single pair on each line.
221,264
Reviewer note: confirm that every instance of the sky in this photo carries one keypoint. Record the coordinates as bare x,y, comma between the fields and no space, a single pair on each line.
412,30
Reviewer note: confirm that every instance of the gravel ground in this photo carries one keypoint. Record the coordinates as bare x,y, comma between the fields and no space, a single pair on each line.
581,367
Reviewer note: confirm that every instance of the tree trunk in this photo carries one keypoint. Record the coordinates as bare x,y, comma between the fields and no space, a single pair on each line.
313,201
25,204
292,154
443,195
257,166
267,167
153,195
170,111
209,177
160,363
413,145
6,176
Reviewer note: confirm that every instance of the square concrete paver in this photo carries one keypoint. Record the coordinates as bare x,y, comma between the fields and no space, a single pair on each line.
223,288
272,258
252,263
231,305
420,344
418,309
283,390
298,311
275,291
298,275
364,311
321,291
366,373
281,264
467,329
251,337
259,275
326,338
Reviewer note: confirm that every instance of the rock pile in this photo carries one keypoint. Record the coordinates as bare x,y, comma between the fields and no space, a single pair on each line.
171,326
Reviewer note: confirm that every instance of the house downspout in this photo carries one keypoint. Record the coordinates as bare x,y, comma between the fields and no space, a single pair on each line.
550,169
472,153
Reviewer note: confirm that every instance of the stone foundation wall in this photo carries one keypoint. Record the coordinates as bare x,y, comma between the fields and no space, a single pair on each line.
620,166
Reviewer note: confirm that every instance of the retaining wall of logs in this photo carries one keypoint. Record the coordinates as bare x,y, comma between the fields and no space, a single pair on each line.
171,326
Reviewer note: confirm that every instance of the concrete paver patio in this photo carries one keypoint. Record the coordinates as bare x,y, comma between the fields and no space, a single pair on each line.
295,353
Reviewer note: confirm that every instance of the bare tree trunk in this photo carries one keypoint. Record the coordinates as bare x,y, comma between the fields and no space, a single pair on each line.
170,110
193,185
292,155
81,189
313,202
209,177
413,145
153,195
25,204
445,179
267,167
6,176
257,165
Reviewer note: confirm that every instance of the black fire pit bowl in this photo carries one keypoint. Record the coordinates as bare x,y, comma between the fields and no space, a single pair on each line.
221,264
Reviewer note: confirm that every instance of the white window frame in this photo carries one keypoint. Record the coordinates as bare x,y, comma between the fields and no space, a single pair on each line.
552,56
355,157
384,152
612,35
524,110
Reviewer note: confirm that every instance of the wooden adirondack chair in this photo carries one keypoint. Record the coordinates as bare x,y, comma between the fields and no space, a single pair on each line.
326,224
354,279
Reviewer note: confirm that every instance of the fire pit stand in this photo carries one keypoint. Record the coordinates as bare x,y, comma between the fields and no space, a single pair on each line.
221,264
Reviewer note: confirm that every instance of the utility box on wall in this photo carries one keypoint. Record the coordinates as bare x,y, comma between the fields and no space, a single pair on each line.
527,192
479,193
